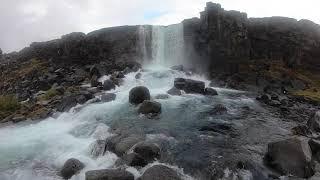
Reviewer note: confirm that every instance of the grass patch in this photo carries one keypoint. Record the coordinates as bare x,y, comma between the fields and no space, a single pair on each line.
49,94
8,105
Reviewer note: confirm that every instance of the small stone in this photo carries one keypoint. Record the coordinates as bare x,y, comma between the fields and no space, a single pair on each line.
71,167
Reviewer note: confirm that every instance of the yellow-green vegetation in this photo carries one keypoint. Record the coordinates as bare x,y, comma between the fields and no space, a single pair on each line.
49,94
8,105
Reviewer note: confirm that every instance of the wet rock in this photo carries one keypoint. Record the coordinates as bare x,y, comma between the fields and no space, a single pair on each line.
189,85
98,148
149,151
220,128
121,144
177,68
67,103
150,107
314,122
210,92
162,96
291,156
138,94
109,174
133,159
158,172
94,81
138,75
108,97
108,85
71,167
18,118
94,71
174,91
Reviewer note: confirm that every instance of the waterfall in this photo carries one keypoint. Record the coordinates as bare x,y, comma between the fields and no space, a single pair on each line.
166,46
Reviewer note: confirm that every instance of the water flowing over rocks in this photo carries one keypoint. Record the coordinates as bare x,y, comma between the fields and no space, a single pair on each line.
210,132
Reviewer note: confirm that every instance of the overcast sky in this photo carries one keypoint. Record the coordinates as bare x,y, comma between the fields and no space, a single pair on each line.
26,21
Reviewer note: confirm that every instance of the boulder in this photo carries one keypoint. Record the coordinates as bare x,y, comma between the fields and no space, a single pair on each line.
138,94
149,151
150,107
98,148
160,172
109,174
108,85
108,97
174,91
138,75
291,156
210,92
67,103
71,167
189,85
314,122
94,71
121,144
264,98
133,159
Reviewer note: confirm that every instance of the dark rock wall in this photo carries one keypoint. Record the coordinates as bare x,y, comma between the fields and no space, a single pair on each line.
225,39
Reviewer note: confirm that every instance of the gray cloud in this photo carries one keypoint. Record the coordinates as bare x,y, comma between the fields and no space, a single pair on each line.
26,21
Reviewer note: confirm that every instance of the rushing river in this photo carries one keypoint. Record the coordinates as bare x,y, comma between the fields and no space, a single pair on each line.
37,150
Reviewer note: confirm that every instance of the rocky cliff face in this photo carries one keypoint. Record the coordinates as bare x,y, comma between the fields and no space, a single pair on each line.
226,39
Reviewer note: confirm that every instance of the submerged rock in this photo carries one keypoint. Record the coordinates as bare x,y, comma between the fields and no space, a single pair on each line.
174,91
71,167
150,107
138,75
291,156
109,174
108,97
177,68
160,172
162,96
219,109
149,151
139,94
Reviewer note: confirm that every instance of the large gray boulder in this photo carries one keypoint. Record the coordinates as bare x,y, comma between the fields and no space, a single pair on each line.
291,156
150,107
314,122
71,167
121,144
109,174
160,172
139,94
108,85
149,151
189,85
132,159
210,92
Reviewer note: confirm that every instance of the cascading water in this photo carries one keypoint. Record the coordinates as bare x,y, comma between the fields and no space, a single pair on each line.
37,150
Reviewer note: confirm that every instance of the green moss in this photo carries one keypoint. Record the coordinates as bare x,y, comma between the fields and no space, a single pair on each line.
49,94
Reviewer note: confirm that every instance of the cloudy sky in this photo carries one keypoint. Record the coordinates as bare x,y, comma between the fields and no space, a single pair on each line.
26,21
